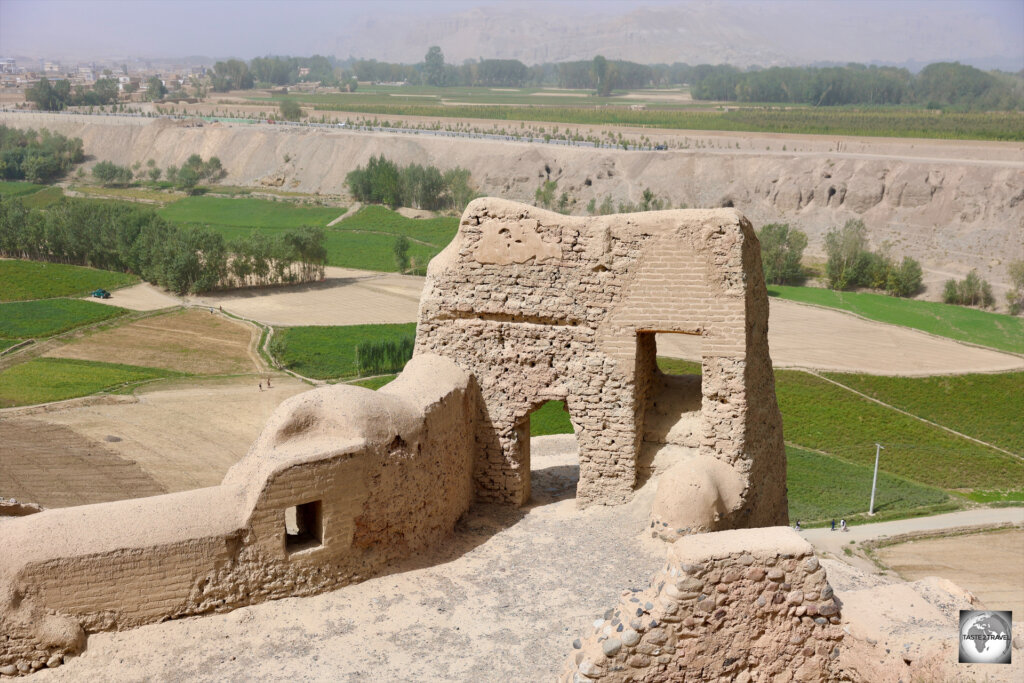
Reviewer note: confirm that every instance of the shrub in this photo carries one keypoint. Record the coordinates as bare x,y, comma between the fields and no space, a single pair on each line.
109,173
782,248
973,290
1015,297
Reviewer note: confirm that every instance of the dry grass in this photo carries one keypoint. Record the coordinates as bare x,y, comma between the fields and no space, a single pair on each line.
192,341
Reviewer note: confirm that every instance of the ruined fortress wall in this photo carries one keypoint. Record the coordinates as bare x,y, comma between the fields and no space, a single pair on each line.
745,605
374,476
540,306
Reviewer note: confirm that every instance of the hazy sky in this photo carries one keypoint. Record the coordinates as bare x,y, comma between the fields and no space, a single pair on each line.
896,30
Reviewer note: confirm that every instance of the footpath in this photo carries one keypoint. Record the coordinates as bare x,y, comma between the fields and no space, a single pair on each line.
833,541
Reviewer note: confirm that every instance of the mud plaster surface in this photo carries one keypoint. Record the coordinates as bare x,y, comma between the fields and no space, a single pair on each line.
501,601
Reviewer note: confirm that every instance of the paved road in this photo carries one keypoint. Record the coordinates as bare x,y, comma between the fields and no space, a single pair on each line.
833,541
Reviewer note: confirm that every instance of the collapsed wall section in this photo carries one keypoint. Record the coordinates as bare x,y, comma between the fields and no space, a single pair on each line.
744,605
540,306
341,482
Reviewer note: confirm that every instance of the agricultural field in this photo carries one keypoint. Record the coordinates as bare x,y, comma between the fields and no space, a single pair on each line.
47,317
986,407
190,341
995,330
330,352
247,212
24,280
822,487
9,189
880,122
820,416
43,198
42,380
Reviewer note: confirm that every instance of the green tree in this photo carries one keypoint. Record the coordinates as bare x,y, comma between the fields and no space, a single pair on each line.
290,110
782,249
973,290
545,194
905,280
155,89
1015,297
599,74
433,66
401,251
154,174
847,254
45,96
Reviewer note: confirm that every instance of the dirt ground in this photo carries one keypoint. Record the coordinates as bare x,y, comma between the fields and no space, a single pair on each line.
989,565
801,336
192,341
55,466
140,297
345,297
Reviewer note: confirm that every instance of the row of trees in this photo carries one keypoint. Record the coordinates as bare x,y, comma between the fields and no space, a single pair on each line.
937,85
187,178
424,187
234,74
384,356
135,240
59,95
37,156
851,264
973,290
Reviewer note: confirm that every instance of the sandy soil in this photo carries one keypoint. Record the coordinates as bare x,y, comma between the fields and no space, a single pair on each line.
345,297
192,341
140,297
802,336
55,466
181,435
989,565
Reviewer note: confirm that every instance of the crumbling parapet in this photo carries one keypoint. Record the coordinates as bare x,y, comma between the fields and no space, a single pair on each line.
539,306
342,482
745,605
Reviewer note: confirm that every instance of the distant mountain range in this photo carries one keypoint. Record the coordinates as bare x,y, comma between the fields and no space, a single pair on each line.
715,32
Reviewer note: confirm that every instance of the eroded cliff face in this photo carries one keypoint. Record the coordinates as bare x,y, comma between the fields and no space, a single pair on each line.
954,206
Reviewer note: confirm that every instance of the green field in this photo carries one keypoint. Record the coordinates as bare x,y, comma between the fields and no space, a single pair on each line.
438,232
375,382
822,487
329,352
821,416
877,121
47,317
23,280
43,198
54,379
987,407
994,330
246,212
10,189
550,418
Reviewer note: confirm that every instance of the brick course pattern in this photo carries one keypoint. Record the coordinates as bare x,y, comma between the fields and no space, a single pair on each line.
746,605
539,306
388,473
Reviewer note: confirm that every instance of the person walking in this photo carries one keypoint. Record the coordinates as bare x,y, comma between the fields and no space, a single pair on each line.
797,527
842,524
833,524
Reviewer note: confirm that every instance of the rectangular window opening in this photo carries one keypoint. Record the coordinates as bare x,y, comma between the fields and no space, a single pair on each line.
303,527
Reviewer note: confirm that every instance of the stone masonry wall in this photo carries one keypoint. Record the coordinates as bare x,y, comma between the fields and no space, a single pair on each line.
539,306
391,471
745,605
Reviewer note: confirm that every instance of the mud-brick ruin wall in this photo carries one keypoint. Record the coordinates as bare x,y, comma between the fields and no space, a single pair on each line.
386,473
539,306
745,605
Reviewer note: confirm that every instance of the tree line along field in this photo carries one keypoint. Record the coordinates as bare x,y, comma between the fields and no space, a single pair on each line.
897,122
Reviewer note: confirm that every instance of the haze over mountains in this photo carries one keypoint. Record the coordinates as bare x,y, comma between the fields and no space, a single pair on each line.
984,33
740,33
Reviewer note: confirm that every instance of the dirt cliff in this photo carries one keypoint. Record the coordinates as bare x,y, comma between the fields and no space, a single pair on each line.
952,205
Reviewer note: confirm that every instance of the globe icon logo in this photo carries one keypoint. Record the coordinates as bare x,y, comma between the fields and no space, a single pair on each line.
985,637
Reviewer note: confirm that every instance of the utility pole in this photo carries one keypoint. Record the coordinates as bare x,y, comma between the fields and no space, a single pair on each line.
874,482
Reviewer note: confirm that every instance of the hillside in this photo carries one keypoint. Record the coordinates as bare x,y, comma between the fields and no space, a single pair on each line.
952,205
